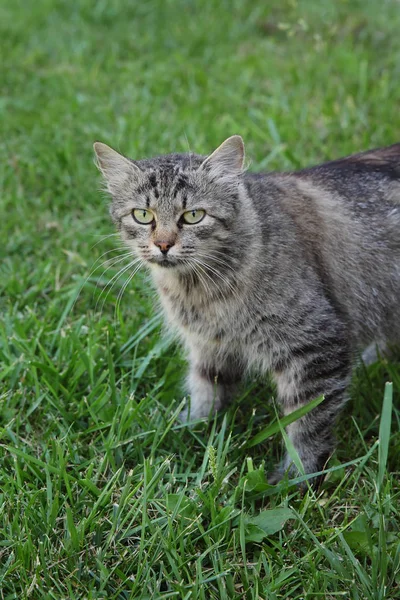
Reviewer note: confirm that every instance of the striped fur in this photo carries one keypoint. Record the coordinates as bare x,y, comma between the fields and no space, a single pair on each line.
288,273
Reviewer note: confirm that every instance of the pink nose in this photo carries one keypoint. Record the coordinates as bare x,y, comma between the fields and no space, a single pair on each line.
164,245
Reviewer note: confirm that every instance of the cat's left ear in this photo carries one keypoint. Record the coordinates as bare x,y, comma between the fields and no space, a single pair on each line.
227,159
118,170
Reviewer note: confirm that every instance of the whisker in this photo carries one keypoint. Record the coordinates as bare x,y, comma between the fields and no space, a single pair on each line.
94,269
102,238
109,251
216,259
110,260
217,273
198,271
254,259
113,281
113,261
224,280
122,291
221,294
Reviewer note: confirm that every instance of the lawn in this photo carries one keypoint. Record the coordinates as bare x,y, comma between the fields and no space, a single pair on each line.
103,494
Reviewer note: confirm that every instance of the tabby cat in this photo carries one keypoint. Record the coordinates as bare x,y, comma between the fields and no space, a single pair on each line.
287,273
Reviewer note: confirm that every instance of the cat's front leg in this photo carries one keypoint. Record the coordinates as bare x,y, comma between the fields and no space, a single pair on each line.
318,368
211,384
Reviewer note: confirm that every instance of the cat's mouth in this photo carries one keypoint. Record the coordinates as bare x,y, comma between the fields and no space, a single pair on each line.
165,261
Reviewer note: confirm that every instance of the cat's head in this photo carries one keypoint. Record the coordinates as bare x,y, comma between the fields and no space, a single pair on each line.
179,210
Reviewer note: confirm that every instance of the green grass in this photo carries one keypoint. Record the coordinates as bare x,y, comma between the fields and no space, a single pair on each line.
102,493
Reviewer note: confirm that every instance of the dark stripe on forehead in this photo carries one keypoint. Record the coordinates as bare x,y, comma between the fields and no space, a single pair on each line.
153,183
184,201
153,180
181,183
149,186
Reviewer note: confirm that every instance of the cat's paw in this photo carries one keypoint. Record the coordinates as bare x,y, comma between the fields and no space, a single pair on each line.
276,476
183,416
191,413
288,470
200,407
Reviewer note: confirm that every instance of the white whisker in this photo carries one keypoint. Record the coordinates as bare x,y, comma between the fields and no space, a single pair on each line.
108,252
94,269
225,281
217,260
113,281
198,271
113,261
127,282
102,238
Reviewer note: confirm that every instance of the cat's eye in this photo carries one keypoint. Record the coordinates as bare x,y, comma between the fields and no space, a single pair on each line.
193,216
143,216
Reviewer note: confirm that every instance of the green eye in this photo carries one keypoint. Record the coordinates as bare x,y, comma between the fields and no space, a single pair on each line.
193,216
143,216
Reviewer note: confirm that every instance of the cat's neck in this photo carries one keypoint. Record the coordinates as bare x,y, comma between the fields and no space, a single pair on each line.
200,285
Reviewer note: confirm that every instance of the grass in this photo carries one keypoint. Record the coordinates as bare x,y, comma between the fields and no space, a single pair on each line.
102,493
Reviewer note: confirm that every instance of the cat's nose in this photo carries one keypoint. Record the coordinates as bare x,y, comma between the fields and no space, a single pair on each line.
164,245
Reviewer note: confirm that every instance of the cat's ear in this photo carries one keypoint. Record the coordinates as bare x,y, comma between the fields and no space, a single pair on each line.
118,171
227,159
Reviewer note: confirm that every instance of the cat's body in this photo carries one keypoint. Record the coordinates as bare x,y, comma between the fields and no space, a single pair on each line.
287,273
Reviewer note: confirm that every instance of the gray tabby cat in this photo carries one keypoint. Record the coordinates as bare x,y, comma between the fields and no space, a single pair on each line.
287,273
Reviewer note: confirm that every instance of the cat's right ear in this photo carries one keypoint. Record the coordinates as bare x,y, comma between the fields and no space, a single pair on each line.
227,159
117,170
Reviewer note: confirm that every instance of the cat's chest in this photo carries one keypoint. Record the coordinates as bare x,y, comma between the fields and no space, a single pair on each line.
193,314
226,326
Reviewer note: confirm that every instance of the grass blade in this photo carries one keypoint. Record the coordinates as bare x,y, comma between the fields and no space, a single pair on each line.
284,422
384,432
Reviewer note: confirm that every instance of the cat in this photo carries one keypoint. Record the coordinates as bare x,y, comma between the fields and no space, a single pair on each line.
287,273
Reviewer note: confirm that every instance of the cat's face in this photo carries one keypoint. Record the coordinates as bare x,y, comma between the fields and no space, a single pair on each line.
175,211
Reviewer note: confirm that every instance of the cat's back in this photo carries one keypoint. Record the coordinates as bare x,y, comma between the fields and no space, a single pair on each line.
372,174
372,165
355,200
368,180
360,192
343,217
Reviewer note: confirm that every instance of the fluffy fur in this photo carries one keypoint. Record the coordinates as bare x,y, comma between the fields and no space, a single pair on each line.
287,273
